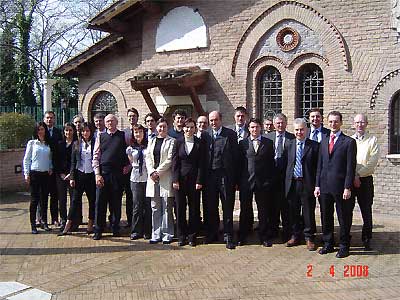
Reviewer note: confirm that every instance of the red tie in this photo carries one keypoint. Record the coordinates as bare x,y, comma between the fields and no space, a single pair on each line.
331,143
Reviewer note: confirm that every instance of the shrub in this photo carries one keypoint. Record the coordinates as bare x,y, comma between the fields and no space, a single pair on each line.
15,130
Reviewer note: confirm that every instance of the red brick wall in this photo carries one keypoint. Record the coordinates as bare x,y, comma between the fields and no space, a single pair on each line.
9,180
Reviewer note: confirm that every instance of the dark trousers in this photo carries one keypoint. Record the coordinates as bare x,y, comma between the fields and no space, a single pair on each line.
110,193
264,205
62,188
52,190
365,198
344,211
280,210
301,201
39,193
128,197
141,209
187,195
84,183
219,186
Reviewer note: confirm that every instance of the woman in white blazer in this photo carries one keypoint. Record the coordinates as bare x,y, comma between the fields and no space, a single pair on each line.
159,184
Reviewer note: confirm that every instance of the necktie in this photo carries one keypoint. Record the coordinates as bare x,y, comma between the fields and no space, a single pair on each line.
256,144
51,132
315,135
279,147
215,133
239,132
331,143
298,171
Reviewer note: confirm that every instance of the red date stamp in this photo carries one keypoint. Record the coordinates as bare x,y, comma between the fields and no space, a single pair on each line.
348,271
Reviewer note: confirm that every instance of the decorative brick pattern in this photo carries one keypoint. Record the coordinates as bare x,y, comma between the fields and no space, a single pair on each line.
359,51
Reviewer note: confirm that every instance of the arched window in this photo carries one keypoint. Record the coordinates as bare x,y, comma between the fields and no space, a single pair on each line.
270,92
310,85
395,124
104,103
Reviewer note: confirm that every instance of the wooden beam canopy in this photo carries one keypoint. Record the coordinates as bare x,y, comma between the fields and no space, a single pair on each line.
185,78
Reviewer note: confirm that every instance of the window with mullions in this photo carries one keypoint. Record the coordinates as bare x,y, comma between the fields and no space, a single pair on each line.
270,92
395,124
104,103
310,84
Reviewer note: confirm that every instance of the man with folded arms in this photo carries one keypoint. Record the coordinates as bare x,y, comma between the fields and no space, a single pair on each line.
367,159
299,185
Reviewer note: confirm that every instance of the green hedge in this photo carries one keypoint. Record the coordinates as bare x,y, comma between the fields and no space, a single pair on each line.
15,130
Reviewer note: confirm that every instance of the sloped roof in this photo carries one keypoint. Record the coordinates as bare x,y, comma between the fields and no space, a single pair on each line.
84,56
111,11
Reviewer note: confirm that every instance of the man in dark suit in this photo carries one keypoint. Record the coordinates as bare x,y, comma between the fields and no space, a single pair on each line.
240,126
317,132
188,174
299,185
110,162
55,136
256,177
334,182
242,132
281,139
221,177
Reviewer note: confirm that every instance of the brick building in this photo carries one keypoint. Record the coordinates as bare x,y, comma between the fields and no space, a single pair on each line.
269,56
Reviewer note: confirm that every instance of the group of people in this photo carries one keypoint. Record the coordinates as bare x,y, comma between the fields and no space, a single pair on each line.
165,171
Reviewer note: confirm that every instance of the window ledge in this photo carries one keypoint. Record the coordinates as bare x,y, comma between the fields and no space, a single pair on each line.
393,157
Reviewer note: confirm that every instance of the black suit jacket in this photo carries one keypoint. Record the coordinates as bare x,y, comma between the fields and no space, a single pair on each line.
256,169
309,164
62,157
282,162
336,171
76,157
324,131
226,147
246,130
53,142
192,166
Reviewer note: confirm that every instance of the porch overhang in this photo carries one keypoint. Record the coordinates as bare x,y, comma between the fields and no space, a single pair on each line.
186,78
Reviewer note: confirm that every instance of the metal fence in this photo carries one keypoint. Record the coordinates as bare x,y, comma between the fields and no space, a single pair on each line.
62,115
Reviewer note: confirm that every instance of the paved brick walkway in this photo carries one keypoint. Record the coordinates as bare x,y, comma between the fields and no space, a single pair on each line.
76,267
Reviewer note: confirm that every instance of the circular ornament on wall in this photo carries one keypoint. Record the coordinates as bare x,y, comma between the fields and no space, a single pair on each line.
287,39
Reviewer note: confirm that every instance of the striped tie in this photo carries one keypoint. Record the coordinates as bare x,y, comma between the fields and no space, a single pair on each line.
315,135
298,171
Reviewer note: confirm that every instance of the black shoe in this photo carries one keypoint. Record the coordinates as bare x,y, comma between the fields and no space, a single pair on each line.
230,245
154,241
192,243
267,243
166,242
34,229
242,242
116,234
135,236
326,250
46,227
367,245
147,236
181,242
97,236
342,253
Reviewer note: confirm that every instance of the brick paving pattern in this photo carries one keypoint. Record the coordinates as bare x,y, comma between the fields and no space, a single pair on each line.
76,267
